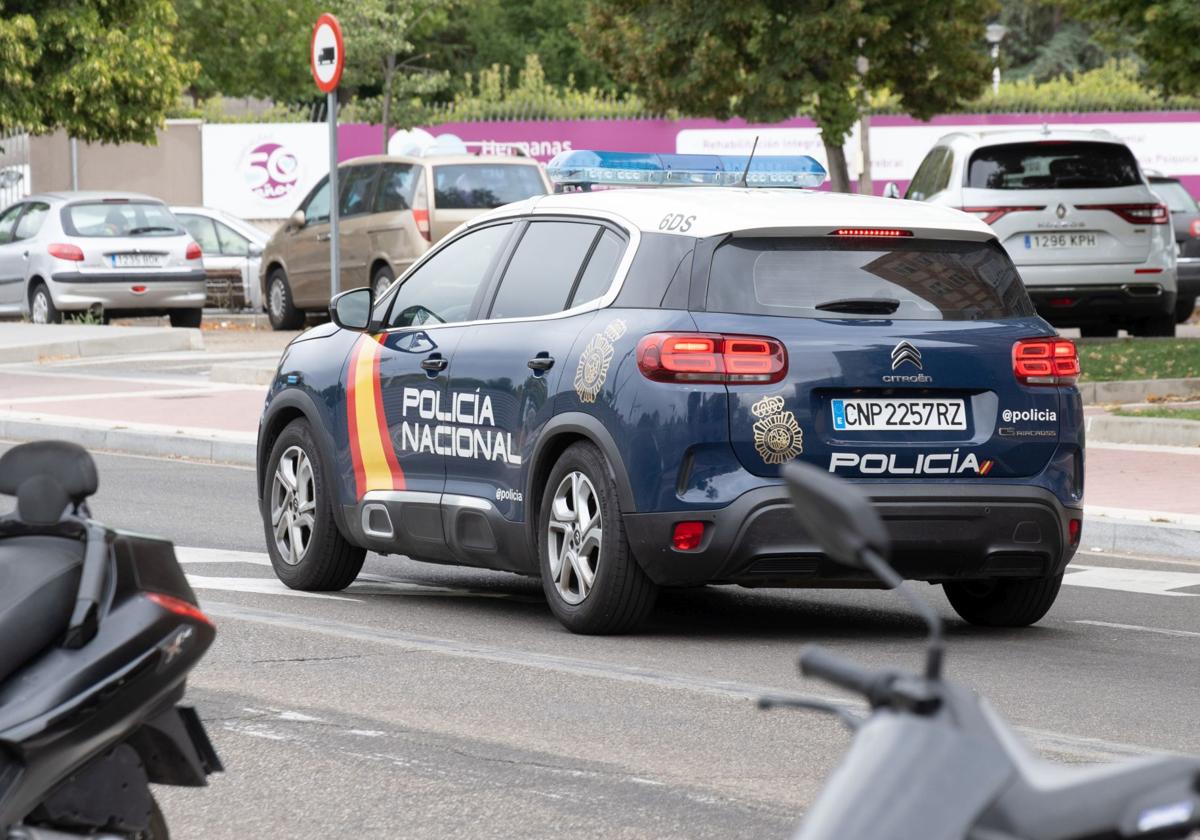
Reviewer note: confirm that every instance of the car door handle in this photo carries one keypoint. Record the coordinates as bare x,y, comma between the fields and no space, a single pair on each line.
435,363
541,362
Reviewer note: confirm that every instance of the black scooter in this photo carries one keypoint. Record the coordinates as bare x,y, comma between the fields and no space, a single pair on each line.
933,761
98,631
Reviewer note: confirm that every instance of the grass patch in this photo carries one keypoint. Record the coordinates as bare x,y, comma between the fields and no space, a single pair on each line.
1169,413
1105,360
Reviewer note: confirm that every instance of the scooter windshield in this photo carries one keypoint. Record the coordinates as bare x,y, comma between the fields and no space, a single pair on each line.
908,777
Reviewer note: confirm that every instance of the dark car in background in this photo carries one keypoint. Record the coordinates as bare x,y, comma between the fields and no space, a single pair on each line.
1185,219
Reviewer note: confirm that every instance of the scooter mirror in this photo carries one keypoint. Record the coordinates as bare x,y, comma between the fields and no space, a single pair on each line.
836,514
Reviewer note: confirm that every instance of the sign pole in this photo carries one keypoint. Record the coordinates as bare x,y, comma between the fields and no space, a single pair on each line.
335,277
328,57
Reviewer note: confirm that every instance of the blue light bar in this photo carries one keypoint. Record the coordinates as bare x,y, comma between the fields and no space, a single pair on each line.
634,169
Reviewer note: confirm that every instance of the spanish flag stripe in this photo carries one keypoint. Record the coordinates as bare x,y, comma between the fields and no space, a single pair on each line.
375,463
360,477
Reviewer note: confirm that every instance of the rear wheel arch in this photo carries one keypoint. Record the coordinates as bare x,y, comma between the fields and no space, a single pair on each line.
32,284
562,431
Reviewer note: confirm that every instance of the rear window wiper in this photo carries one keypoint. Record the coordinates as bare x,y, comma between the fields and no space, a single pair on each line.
149,229
861,306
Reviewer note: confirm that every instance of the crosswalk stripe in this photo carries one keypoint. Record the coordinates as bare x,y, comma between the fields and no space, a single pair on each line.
1138,581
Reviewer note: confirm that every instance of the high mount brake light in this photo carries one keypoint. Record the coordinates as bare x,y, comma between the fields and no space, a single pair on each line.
65,252
1135,214
990,215
886,233
179,607
709,358
1045,361
581,167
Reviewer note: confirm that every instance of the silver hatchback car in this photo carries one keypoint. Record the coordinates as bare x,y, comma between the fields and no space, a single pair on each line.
123,254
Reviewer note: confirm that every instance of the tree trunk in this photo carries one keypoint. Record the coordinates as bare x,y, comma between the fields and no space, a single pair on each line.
389,71
839,176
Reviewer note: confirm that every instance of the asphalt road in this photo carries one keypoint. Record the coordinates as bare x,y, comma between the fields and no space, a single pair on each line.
431,702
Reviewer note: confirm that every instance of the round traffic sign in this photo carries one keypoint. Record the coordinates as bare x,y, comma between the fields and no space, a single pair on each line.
328,52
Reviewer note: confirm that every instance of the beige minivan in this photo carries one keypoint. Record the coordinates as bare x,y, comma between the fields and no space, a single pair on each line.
392,210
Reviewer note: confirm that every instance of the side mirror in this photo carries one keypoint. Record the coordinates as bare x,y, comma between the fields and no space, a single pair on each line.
254,250
352,310
891,190
836,514
296,220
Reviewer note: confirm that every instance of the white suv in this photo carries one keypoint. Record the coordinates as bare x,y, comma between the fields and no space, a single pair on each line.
1074,211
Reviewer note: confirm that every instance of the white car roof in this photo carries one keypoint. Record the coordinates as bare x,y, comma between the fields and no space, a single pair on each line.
254,233
998,136
69,196
718,210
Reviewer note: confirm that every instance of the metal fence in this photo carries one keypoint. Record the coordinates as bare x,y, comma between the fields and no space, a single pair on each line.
14,166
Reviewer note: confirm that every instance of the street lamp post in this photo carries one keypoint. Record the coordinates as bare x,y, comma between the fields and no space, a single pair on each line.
995,33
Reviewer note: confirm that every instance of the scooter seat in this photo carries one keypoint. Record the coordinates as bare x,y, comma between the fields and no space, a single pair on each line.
39,582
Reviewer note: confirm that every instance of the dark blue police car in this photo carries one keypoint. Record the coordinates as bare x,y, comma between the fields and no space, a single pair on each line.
600,387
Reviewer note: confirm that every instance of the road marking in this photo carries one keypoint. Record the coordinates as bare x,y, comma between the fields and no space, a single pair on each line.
1138,581
114,395
192,556
1161,631
258,586
1091,749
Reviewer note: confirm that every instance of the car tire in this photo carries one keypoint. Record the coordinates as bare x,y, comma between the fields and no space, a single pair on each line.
581,534
41,306
1016,602
1184,309
186,317
1161,325
1102,331
307,550
281,311
382,281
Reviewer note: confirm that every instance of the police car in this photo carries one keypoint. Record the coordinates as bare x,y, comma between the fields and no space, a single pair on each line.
599,387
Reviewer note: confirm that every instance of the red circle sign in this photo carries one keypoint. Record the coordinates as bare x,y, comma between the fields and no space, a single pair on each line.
327,54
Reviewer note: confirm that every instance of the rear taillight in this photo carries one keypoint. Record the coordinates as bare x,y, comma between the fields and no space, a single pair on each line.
687,536
1195,228
193,251
179,607
66,252
1075,530
704,357
886,233
421,217
1135,214
992,214
1045,361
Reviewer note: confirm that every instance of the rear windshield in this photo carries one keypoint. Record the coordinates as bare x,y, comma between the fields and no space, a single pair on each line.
124,218
1178,199
482,186
1052,165
913,280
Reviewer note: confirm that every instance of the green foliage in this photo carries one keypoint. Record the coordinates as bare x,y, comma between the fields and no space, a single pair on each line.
766,60
491,95
1046,39
1112,87
216,110
1105,360
1165,33
104,71
245,48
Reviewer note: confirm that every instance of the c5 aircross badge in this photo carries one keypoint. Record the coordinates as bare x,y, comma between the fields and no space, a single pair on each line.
777,436
594,361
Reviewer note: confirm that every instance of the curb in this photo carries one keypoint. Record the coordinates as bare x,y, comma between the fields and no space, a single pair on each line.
1153,431
236,448
114,343
1136,390
1118,534
244,373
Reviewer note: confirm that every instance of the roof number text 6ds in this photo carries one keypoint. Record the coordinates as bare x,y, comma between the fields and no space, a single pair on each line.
676,221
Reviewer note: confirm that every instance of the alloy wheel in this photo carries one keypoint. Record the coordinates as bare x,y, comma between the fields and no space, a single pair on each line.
575,537
40,309
293,505
275,300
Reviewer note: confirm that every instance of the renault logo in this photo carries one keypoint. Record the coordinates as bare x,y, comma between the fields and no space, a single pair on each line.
1060,211
905,352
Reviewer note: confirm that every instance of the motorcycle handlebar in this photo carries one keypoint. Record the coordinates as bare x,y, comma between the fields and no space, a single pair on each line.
815,661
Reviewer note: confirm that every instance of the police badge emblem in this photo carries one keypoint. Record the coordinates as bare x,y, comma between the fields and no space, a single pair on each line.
777,435
594,361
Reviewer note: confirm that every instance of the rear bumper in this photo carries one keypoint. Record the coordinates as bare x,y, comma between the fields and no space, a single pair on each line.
175,290
1072,306
939,532
1189,276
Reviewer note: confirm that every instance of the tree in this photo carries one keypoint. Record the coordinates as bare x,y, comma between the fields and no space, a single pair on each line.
243,48
1165,33
104,72
1046,40
768,60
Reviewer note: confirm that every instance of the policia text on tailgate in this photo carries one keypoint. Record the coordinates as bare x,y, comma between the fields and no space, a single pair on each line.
600,388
